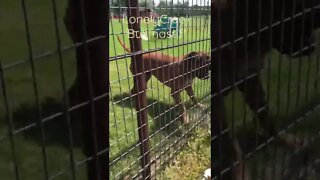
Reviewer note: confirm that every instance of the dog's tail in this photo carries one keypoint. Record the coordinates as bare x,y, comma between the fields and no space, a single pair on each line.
122,44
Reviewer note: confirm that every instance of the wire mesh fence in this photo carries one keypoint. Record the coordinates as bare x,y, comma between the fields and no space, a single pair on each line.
268,128
159,87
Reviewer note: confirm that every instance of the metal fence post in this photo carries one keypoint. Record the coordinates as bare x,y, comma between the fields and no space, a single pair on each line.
139,80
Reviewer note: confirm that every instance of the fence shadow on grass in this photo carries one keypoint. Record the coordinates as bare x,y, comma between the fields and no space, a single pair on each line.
165,116
55,129
166,125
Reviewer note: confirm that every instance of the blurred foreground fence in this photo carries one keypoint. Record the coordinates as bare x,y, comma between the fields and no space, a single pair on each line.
39,63
266,93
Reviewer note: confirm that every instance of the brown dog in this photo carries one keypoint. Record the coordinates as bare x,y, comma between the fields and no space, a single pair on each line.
175,72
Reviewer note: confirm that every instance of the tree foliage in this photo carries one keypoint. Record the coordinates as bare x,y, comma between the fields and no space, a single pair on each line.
166,7
146,4
181,9
115,4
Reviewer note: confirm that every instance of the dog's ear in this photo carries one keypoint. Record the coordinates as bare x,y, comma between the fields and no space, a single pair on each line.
190,60
192,55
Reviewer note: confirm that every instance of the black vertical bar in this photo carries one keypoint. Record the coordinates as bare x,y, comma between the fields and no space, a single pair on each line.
139,80
217,129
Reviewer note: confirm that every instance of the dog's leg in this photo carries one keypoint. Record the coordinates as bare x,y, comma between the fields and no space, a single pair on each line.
177,100
134,88
193,98
225,150
254,96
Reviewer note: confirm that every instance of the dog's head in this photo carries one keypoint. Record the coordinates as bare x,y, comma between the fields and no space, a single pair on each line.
298,32
199,64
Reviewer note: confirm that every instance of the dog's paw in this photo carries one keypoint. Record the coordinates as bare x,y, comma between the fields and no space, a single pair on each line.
201,106
294,141
186,118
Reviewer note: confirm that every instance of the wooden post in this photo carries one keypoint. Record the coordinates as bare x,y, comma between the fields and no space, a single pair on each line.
139,80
